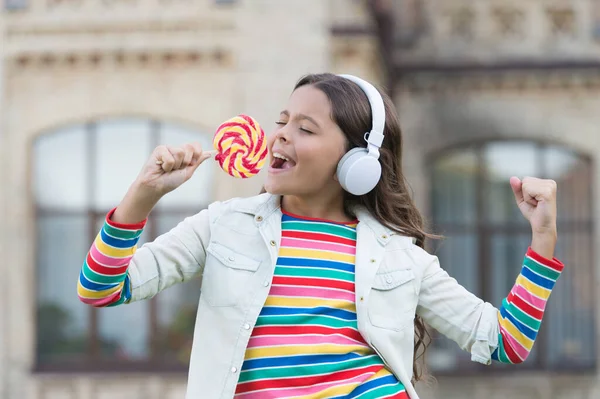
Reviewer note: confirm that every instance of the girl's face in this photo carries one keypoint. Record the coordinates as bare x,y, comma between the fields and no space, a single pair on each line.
305,147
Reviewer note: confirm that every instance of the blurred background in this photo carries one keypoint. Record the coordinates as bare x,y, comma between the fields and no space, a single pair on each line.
484,89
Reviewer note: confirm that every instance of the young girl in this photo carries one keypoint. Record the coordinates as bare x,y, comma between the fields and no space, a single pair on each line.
319,287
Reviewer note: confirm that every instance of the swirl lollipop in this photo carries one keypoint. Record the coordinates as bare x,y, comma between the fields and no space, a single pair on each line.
241,146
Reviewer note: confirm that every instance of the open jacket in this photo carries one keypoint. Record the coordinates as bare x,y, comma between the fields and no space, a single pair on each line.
234,246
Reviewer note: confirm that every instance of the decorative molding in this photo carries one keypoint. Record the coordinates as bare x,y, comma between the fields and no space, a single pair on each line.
460,22
90,27
562,21
507,81
77,4
509,21
216,58
351,30
492,31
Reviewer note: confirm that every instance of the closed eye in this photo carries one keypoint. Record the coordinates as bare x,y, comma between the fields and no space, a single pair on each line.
306,131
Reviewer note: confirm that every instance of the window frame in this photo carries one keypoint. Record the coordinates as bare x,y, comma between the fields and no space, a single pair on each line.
92,360
485,229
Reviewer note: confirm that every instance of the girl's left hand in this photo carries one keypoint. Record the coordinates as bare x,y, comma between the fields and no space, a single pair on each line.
536,199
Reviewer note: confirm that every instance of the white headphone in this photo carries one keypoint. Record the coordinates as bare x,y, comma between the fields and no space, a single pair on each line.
359,169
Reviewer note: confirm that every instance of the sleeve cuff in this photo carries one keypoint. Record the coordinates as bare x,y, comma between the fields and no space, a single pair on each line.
124,226
553,263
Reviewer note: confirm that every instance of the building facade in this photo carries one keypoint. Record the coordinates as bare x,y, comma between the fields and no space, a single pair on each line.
88,88
488,90
484,91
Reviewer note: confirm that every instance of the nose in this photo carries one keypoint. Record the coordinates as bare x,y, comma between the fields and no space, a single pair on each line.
282,135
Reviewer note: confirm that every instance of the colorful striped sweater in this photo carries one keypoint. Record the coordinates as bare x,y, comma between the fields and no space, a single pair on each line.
306,343
104,281
521,313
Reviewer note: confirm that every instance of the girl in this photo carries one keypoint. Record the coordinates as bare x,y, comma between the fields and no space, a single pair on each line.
319,287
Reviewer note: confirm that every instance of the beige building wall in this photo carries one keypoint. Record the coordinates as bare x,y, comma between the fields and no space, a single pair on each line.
194,61
3,285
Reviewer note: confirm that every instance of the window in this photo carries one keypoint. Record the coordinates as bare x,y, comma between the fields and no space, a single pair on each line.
80,173
486,237
14,5
595,20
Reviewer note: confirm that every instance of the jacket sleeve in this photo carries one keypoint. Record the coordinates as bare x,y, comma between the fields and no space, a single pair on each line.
506,334
115,271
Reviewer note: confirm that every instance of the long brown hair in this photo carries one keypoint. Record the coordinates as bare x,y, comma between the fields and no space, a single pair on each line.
390,202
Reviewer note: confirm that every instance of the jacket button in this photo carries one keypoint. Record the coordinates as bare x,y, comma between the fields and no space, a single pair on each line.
273,243
259,218
384,237
372,260
246,326
231,258
266,283
233,369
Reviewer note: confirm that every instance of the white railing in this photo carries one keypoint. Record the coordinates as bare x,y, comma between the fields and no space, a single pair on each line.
483,29
67,11
104,25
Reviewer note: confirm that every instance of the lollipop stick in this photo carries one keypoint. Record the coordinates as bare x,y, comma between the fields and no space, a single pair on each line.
211,154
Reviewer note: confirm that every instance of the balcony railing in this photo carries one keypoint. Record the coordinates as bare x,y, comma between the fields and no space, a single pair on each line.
65,12
42,26
489,30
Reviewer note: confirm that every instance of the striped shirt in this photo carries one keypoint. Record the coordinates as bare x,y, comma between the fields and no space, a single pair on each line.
104,281
521,313
306,343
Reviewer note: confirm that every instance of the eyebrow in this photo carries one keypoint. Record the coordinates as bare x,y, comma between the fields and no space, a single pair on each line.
300,116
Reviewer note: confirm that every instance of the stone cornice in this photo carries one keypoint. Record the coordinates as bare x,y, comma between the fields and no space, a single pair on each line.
17,30
501,80
216,58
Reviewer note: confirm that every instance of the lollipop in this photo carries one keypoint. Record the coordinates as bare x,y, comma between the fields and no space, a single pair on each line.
241,146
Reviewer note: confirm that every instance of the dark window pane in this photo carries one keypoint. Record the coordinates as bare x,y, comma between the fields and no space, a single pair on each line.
61,170
123,330
502,161
176,310
573,175
507,254
62,320
15,5
570,321
454,188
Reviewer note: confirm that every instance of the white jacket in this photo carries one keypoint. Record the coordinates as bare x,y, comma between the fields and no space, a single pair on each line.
234,246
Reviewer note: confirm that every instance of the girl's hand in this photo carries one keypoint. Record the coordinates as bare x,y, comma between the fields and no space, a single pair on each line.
536,199
166,169
169,167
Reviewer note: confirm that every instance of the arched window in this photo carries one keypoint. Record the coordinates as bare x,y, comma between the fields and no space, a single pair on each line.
80,172
473,206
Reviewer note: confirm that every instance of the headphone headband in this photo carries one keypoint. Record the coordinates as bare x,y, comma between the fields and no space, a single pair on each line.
375,136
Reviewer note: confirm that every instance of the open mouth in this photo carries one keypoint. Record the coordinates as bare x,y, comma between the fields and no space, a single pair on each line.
281,162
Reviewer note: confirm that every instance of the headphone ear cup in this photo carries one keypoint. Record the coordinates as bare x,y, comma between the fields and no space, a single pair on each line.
358,172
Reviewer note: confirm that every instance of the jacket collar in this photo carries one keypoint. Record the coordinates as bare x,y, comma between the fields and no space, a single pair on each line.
264,205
